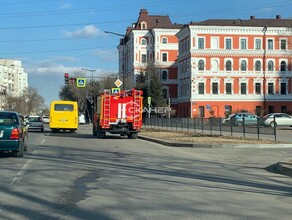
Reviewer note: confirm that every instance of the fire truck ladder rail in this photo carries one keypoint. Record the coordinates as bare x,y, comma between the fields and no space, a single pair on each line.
106,115
136,115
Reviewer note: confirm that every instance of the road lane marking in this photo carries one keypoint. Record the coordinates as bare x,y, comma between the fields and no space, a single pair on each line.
21,173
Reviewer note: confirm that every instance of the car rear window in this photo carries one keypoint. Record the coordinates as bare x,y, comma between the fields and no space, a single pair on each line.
8,119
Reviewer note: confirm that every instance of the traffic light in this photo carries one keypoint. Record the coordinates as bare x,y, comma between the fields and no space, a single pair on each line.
66,75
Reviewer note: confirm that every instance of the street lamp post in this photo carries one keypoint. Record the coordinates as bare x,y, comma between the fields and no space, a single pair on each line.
92,93
124,55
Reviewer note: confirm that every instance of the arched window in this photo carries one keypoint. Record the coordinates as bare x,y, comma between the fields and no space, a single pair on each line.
201,65
164,75
228,65
164,40
283,66
257,66
144,41
243,65
270,66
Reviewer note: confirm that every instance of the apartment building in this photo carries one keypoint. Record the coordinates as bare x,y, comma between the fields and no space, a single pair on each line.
234,65
13,78
151,40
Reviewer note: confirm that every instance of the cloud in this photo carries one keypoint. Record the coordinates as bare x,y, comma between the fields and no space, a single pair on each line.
107,55
87,31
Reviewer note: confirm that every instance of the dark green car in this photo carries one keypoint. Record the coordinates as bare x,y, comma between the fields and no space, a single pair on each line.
13,133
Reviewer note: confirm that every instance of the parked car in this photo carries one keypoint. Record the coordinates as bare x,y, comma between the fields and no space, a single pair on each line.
13,133
35,123
239,118
46,119
281,119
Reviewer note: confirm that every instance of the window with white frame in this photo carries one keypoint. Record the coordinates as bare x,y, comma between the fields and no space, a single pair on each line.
201,43
228,88
228,43
258,88
283,88
270,65
243,65
258,44
283,66
164,57
243,88
258,65
243,44
143,58
164,40
283,44
201,88
228,65
144,41
270,44
215,88
201,65
271,88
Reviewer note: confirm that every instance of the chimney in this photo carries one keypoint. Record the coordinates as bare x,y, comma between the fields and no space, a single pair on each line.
143,11
252,17
278,16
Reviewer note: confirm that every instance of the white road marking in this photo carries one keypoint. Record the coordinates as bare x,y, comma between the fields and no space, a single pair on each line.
21,173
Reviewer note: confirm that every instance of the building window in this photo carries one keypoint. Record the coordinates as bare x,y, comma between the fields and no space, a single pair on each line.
164,57
228,43
258,44
243,65
283,44
283,66
201,65
201,88
283,88
144,60
270,66
271,109
283,109
228,88
258,88
144,41
270,44
243,88
257,66
215,88
164,40
228,65
164,75
243,44
201,43
271,88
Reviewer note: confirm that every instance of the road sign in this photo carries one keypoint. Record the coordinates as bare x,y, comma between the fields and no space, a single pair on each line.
118,83
116,90
149,100
208,107
81,82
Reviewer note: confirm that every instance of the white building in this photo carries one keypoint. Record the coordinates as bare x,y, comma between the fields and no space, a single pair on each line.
13,79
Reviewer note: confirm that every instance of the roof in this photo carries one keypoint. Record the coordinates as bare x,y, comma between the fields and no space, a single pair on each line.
252,22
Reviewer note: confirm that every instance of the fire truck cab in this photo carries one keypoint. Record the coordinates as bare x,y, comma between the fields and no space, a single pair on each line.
118,113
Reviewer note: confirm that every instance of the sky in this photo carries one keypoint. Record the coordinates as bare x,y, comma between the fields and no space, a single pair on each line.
53,37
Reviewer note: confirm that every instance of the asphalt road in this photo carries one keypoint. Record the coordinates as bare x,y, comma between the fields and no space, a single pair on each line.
76,176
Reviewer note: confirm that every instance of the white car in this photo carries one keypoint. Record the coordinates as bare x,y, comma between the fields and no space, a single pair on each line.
81,119
281,119
46,119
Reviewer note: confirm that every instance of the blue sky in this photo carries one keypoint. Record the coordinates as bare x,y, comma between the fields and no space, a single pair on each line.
52,37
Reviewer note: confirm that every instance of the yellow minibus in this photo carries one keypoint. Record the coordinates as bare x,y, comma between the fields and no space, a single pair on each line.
63,116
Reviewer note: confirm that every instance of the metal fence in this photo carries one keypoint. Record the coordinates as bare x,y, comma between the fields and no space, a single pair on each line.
211,126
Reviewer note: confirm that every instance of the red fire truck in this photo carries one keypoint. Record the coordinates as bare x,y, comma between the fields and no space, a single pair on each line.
118,113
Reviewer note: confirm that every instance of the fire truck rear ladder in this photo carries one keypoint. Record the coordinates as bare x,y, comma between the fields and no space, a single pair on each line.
136,115
106,114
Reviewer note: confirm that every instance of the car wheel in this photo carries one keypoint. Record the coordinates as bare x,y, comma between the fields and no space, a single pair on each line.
273,124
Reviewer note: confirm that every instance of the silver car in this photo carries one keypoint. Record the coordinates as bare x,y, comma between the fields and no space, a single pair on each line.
35,123
277,119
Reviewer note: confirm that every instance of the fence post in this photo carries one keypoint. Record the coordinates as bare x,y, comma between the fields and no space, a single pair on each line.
210,122
188,121
275,128
195,124
220,125
202,123
176,124
258,128
243,124
182,124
